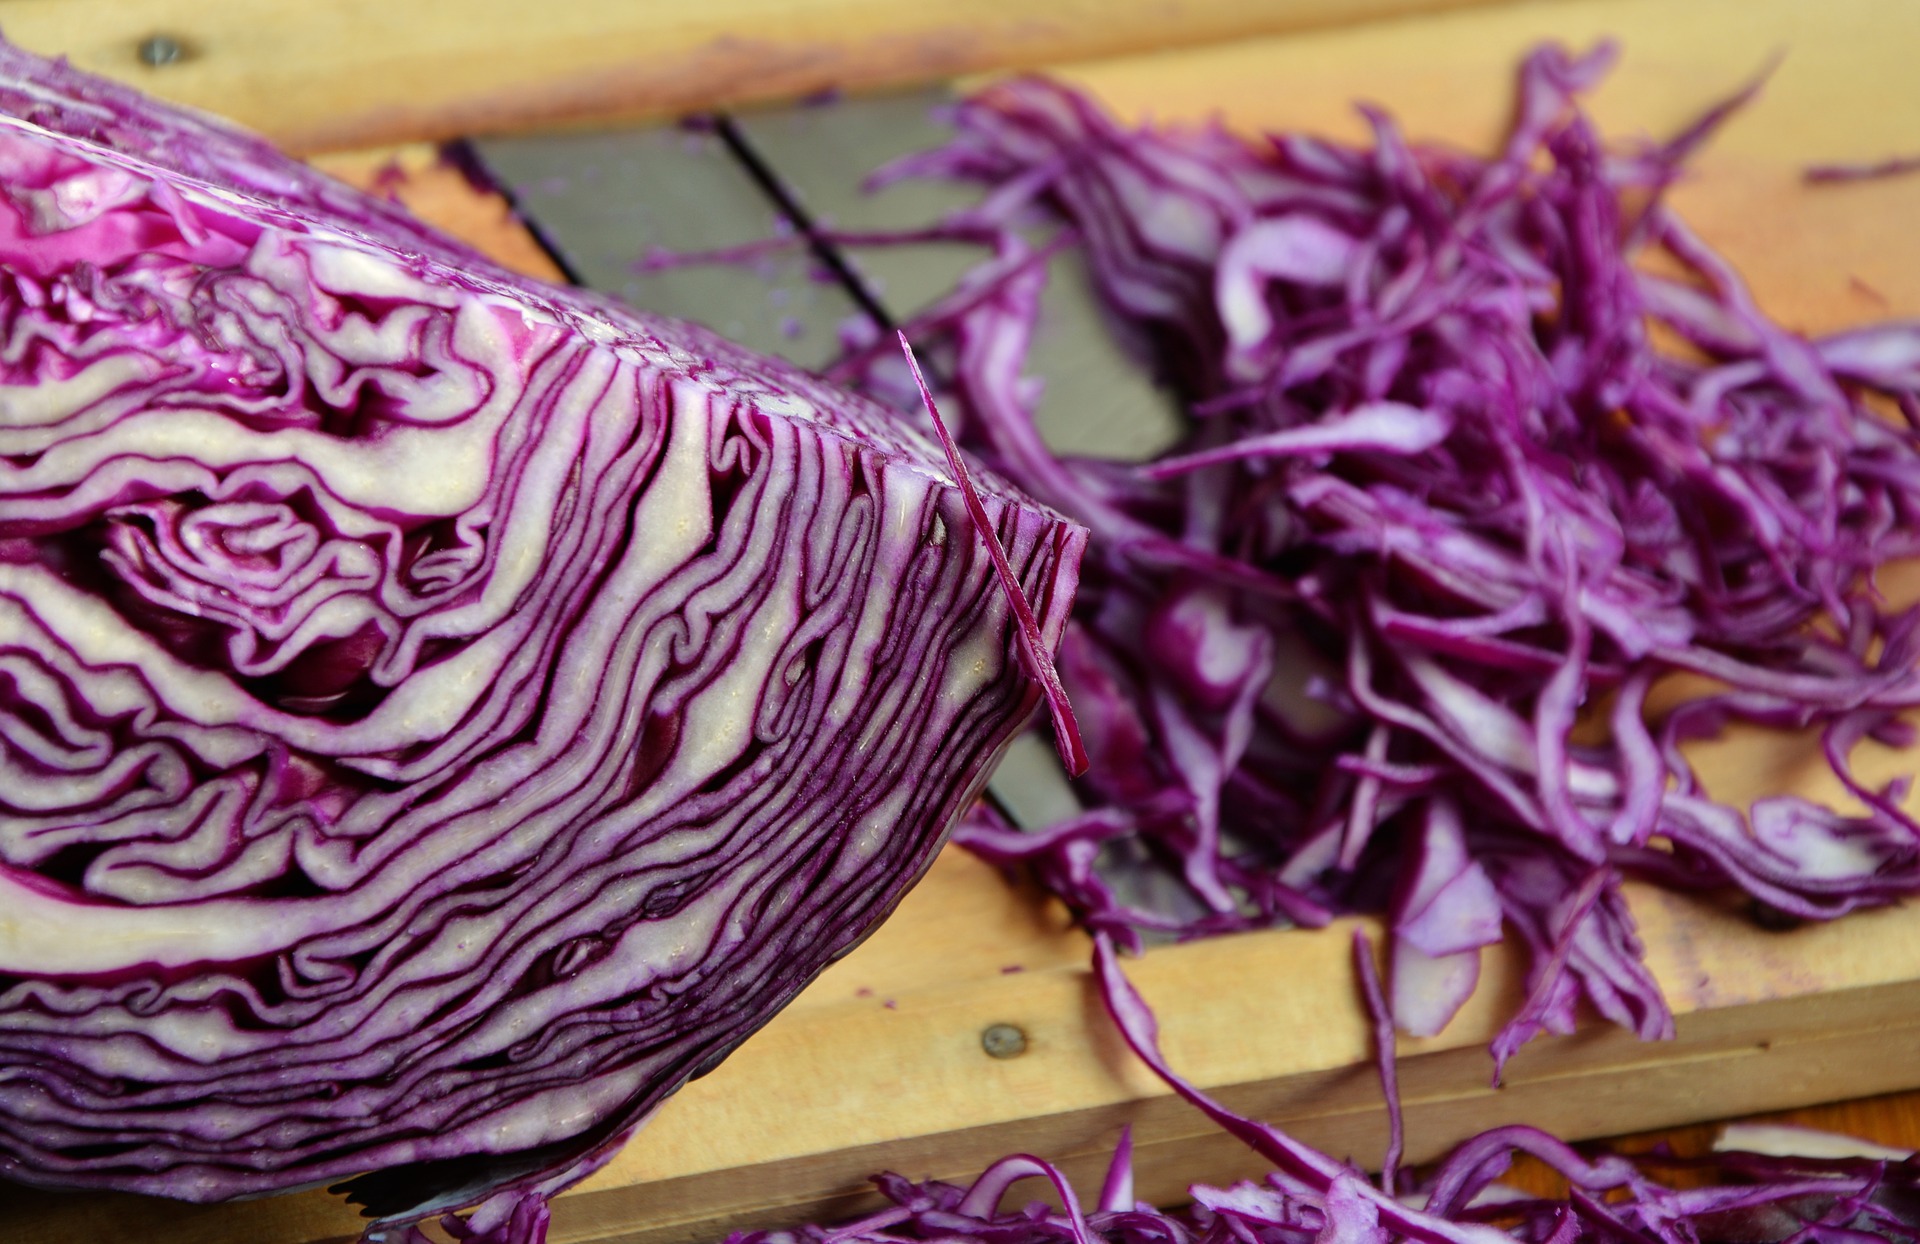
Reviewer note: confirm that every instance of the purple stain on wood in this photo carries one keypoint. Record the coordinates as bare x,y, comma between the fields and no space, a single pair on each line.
1865,290
1825,174
387,181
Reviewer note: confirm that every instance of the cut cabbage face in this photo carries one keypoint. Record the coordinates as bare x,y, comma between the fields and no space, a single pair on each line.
439,713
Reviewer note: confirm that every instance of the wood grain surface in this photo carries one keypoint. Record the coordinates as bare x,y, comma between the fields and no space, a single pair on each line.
880,1064
348,73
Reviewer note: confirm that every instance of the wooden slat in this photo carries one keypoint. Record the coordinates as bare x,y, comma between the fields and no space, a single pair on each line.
348,73
1269,1022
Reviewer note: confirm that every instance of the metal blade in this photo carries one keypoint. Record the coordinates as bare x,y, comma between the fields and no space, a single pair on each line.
602,202
1098,401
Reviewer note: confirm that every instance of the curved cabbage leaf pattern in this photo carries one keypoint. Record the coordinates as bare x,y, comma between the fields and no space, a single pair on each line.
437,714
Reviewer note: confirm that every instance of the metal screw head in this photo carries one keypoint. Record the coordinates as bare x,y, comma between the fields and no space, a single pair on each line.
1003,1041
157,50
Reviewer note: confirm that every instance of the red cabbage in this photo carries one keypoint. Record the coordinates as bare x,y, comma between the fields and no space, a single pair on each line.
1468,474
439,713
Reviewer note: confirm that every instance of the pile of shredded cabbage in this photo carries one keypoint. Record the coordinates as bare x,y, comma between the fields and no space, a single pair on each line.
1467,477
1482,451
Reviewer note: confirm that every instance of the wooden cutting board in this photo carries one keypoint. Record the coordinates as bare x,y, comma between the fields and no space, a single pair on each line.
351,73
881,1065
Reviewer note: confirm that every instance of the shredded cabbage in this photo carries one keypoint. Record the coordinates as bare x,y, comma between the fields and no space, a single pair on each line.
1466,478
1465,481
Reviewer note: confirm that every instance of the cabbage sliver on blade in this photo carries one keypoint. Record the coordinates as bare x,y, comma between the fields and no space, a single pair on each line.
438,713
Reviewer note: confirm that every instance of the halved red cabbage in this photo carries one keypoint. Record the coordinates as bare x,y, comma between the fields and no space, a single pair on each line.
439,713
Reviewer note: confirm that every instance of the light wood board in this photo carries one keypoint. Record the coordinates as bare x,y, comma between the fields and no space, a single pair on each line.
337,74
879,1065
